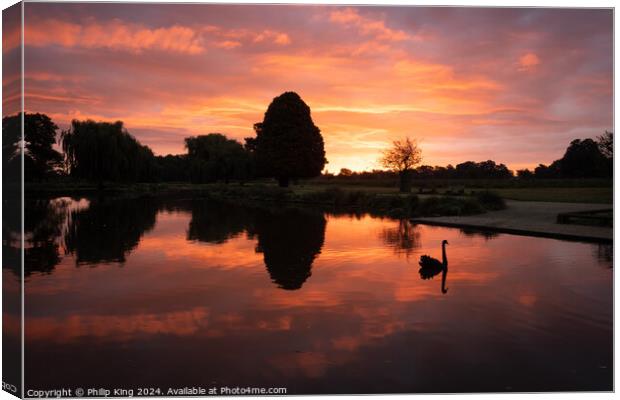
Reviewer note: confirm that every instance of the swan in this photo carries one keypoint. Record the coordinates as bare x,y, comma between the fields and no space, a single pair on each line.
429,267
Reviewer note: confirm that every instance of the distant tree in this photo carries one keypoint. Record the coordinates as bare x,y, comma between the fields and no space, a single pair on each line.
606,144
548,172
103,151
288,145
214,157
173,168
345,172
583,159
425,172
401,158
40,158
482,170
11,160
525,173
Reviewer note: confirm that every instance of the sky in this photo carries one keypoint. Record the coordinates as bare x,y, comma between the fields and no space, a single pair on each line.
511,85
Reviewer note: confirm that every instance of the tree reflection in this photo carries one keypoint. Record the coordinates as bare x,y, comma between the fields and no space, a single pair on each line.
11,231
605,253
486,234
290,241
403,238
216,222
109,229
43,229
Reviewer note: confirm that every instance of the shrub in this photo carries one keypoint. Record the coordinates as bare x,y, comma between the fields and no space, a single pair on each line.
490,200
438,206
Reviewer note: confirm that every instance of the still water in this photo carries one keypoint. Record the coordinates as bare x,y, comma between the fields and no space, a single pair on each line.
174,293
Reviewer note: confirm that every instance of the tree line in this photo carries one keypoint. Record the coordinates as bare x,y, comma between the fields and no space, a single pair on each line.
583,158
287,146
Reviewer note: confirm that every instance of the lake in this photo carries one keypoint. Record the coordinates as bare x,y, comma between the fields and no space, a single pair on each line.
168,293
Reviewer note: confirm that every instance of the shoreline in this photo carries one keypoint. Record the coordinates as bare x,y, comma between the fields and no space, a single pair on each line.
529,218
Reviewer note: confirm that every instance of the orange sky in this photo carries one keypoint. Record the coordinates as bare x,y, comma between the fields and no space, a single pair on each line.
512,85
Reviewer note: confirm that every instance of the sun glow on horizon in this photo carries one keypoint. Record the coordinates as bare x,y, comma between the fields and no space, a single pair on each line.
513,85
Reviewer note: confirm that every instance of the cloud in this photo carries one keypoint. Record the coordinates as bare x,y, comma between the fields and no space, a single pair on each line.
369,27
115,35
137,38
275,37
528,62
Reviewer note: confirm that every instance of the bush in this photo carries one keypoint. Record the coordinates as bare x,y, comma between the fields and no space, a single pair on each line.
440,206
490,200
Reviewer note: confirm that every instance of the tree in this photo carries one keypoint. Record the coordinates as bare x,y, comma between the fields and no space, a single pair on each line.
103,151
583,159
548,172
11,137
215,157
288,145
606,144
525,173
173,168
402,157
40,158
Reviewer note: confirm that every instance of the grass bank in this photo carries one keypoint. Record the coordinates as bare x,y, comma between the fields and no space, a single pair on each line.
565,194
375,202
394,205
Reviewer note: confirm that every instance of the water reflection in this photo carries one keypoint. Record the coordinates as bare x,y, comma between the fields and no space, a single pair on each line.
404,238
108,230
472,232
605,253
195,292
216,222
290,240
44,225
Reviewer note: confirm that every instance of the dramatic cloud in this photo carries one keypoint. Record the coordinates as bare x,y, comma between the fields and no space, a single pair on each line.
512,85
115,35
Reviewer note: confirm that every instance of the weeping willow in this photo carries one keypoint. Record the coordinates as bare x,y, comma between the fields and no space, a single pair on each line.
103,151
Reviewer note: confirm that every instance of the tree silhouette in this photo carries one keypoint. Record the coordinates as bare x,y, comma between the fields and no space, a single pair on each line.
482,170
606,144
40,159
11,162
288,145
583,159
215,157
103,151
401,158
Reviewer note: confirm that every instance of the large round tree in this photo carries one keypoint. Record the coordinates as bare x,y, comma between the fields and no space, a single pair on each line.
288,145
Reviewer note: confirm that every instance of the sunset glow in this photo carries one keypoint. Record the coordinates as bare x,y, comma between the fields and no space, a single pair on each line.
512,85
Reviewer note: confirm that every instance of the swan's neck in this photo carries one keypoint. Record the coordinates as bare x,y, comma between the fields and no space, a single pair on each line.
443,253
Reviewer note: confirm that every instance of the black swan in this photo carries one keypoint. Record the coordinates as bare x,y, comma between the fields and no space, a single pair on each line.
429,267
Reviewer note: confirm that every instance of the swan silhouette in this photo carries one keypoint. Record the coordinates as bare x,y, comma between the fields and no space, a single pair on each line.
429,267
